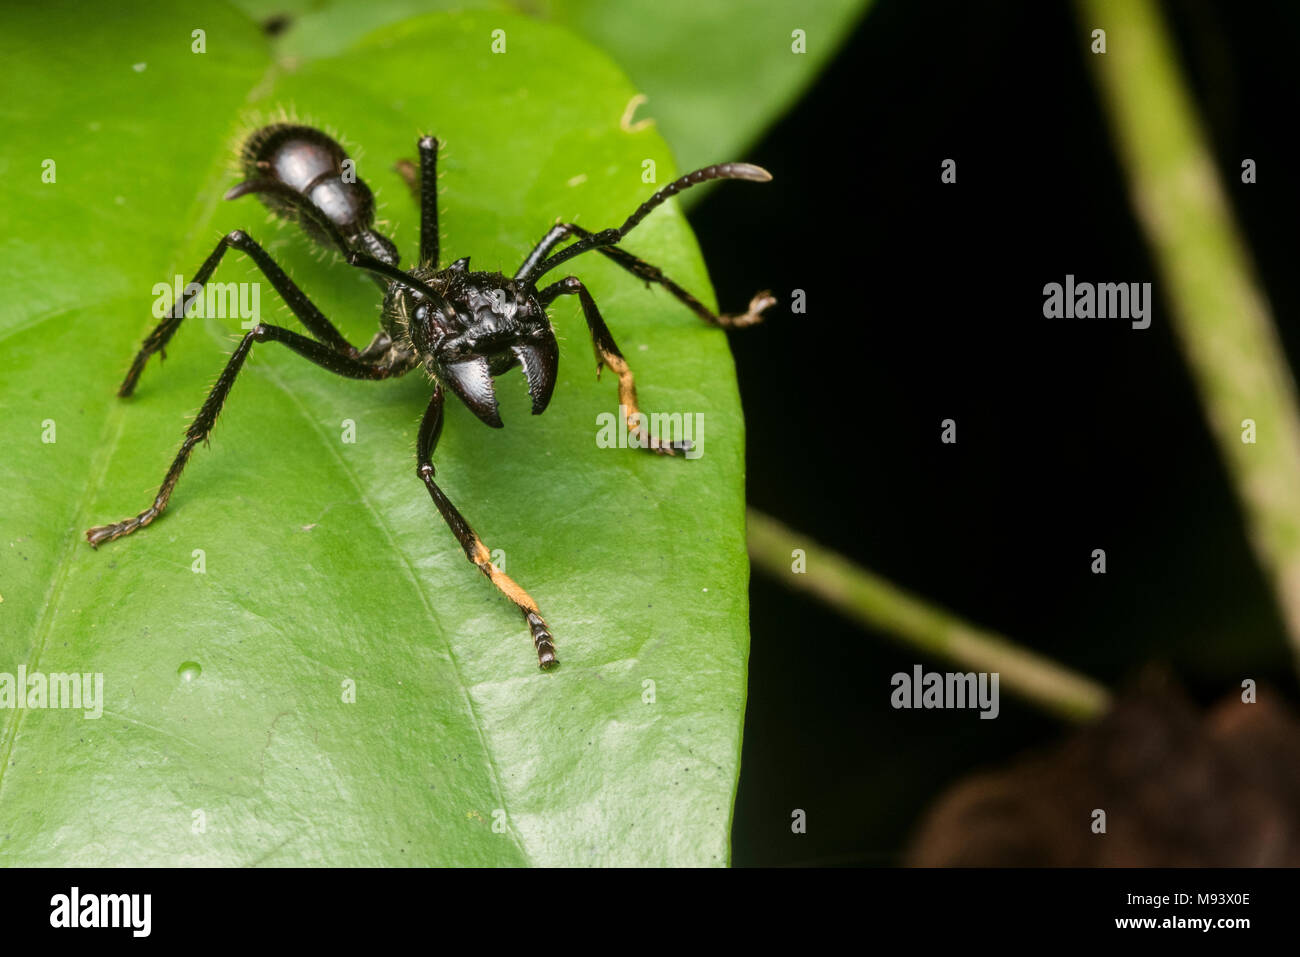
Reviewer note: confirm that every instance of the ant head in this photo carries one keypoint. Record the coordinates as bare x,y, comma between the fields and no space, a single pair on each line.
481,325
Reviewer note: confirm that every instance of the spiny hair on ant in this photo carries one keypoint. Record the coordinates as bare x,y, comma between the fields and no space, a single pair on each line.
463,327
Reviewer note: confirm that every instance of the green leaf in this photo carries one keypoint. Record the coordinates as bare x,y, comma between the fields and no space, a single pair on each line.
716,74
325,562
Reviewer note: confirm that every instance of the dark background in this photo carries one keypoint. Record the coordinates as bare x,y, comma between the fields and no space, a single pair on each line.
924,303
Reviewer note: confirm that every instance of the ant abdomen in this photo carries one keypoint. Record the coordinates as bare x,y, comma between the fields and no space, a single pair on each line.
303,175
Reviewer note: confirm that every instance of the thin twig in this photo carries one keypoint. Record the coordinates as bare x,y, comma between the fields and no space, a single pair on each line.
1219,314
883,606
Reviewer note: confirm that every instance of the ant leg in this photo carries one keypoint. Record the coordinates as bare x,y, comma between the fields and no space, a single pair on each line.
475,550
199,429
424,187
363,260
428,199
302,307
552,238
537,267
649,273
607,354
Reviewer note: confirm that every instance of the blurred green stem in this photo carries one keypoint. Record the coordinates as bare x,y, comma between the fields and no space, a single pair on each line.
885,607
1218,312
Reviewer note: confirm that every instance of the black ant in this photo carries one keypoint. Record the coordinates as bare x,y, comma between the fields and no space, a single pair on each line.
463,327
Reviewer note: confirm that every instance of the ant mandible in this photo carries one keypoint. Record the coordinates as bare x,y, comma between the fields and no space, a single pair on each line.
463,327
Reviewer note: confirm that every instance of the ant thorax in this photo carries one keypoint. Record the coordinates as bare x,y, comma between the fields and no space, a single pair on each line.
484,325
483,314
